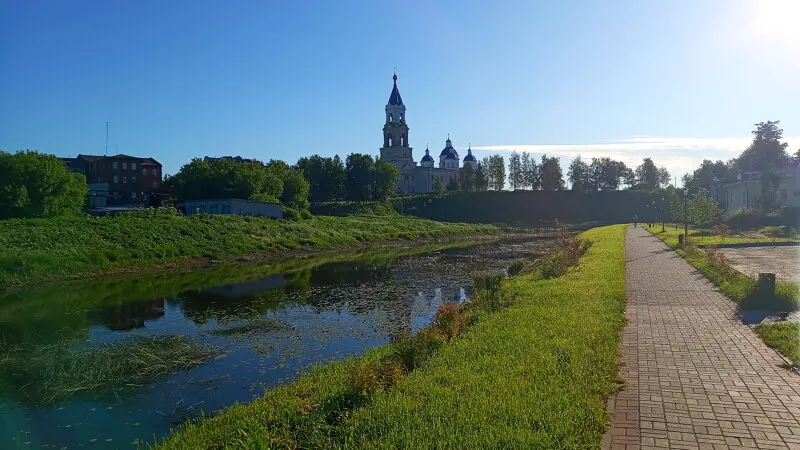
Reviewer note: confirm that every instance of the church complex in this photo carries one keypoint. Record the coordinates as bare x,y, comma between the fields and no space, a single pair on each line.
416,178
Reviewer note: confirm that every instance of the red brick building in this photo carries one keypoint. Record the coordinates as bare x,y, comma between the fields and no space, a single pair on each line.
130,180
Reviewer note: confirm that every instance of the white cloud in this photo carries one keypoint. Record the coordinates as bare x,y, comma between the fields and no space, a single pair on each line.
678,155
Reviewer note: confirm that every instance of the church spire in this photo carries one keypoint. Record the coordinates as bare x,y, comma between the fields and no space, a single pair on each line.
394,98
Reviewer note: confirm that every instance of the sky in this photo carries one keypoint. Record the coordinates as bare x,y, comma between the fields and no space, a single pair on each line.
678,81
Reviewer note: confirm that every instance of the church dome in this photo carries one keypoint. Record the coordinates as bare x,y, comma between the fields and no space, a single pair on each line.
469,156
448,152
427,156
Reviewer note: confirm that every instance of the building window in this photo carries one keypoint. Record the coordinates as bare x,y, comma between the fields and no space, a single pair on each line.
401,117
402,141
133,195
213,209
124,166
116,165
391,118
133,166
782,195
133,179
155,172
154,184
124,180
390,140
226,209
116,179
144,171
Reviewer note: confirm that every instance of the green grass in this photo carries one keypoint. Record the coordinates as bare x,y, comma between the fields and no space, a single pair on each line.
534,374
32,249
703,237
250,328
52,373
784,337
743,289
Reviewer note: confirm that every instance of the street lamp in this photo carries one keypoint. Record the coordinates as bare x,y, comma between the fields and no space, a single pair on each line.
662,213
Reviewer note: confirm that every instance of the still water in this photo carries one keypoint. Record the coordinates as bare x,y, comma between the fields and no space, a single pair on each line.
317,311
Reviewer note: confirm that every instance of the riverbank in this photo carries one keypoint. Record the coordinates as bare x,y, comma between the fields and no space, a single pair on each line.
54,249
535,374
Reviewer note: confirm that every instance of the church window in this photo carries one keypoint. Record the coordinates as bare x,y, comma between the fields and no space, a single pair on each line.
401,117
391,118
402,141
390,140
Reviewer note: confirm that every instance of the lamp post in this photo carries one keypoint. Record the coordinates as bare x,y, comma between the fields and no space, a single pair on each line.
662,214
685,215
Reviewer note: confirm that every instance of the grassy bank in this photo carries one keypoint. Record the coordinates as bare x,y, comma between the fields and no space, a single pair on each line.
703,237
33,249
532,370
743,290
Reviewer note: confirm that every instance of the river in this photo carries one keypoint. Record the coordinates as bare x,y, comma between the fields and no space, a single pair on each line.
266,324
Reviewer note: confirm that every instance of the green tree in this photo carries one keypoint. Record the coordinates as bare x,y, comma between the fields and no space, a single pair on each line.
467,178
703,210
326,177
497,172
647,174
766,152
384,181
515,175
438,187
360,169
453,185
33,184
579,175
225,178
481,178
295,187
551,176
527,170
606,174
769,200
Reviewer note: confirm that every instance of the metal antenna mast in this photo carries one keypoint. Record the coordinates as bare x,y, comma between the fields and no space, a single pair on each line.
106,154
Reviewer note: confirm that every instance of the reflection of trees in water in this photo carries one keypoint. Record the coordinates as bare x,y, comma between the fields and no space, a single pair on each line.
127,316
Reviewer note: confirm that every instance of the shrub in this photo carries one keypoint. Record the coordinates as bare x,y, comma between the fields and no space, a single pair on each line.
720,263
569,252
413,351
290,213
722,230
487,281
515,268
450,321
305,214
772,232
375,377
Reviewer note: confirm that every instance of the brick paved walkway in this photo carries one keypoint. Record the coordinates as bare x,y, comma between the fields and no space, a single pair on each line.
696,376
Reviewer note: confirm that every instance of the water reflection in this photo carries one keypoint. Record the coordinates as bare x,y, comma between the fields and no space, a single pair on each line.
325,311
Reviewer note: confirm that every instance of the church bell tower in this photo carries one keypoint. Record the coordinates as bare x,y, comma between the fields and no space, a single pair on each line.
395,148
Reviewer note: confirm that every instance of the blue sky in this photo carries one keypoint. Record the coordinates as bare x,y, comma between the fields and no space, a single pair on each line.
678,80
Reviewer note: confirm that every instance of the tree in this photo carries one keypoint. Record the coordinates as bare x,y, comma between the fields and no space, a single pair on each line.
326,177
703,210
552,179
467,178
453,184
496,169
606,174
578,174
647,174
438,187
384,180
515,176
663,177
527,167
766,151
226,178
481,178
360,170
769,201
33,184
294,193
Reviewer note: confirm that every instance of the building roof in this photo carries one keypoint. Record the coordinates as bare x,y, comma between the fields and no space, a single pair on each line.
469,156
448,151
394,98
427,156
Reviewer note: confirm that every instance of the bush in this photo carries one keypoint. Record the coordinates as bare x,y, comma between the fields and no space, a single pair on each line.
305,214
772,232
722,230
568,254
375,377
515,268
413,351
450,321
290,213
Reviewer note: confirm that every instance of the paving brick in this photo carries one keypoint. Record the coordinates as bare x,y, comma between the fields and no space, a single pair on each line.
696,376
